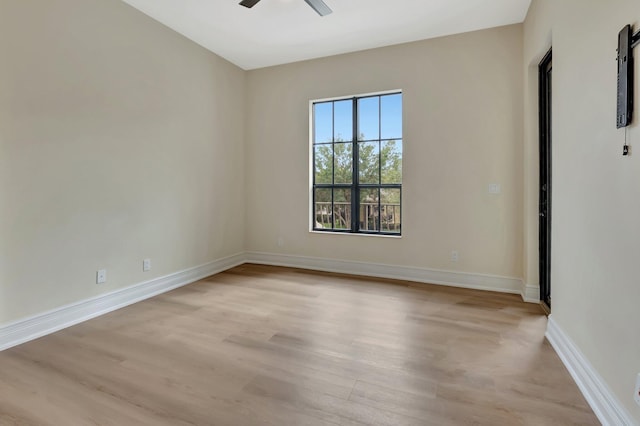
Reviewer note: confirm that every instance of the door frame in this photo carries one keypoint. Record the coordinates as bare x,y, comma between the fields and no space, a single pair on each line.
544,204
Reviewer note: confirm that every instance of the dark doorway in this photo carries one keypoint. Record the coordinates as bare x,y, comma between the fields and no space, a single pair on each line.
545,181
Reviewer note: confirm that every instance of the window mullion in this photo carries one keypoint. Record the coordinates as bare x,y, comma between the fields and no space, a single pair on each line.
333,164
355,192
379,163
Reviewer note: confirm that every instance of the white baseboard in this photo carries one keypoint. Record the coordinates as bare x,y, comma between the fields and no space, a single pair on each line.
40,325
602,400
531,293
407,273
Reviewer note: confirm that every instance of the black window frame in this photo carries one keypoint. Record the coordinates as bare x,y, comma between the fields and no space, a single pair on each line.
355,186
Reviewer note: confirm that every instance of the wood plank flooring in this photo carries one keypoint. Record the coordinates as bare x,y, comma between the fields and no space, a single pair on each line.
261,345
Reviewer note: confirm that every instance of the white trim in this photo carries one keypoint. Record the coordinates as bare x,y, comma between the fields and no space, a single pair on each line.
46,323
602,400
31,328
531,293
406,273
355,234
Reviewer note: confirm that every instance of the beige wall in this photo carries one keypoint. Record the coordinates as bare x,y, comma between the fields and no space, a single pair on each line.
119,140
463,131
596,202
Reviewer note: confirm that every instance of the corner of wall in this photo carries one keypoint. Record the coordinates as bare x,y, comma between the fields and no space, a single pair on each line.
530,293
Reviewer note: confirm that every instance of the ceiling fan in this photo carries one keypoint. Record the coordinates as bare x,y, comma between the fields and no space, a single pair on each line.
317,5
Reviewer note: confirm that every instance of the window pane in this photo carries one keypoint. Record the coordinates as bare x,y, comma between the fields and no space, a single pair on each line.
369,209
322,208
390,209
323,159
391,159
368,118
343,162
342,208
343,121
323,122
369,165
391,111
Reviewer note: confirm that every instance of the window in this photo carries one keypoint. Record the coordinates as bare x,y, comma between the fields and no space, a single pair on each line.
357,164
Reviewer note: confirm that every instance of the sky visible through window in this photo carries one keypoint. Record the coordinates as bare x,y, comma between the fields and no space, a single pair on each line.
333,120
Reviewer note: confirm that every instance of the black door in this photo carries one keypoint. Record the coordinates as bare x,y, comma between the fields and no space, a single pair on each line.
545,180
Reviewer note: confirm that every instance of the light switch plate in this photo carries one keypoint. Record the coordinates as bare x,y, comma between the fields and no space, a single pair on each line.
101,276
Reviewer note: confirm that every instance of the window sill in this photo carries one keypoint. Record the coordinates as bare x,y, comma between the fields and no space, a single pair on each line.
355,234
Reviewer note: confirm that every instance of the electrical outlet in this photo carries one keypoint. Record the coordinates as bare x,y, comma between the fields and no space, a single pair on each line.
636,395
101,276
454,256
494,188
146,265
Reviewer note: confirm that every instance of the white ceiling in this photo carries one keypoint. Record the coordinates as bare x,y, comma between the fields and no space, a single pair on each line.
281,31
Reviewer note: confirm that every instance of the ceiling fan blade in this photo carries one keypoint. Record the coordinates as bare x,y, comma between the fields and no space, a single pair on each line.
249,3
319,6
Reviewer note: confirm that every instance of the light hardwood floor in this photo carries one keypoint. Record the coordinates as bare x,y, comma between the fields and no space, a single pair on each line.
263,345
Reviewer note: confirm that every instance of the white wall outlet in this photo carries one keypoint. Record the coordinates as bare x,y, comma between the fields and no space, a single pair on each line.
454,256
636,395
146,265
494,188
280,242
101,276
